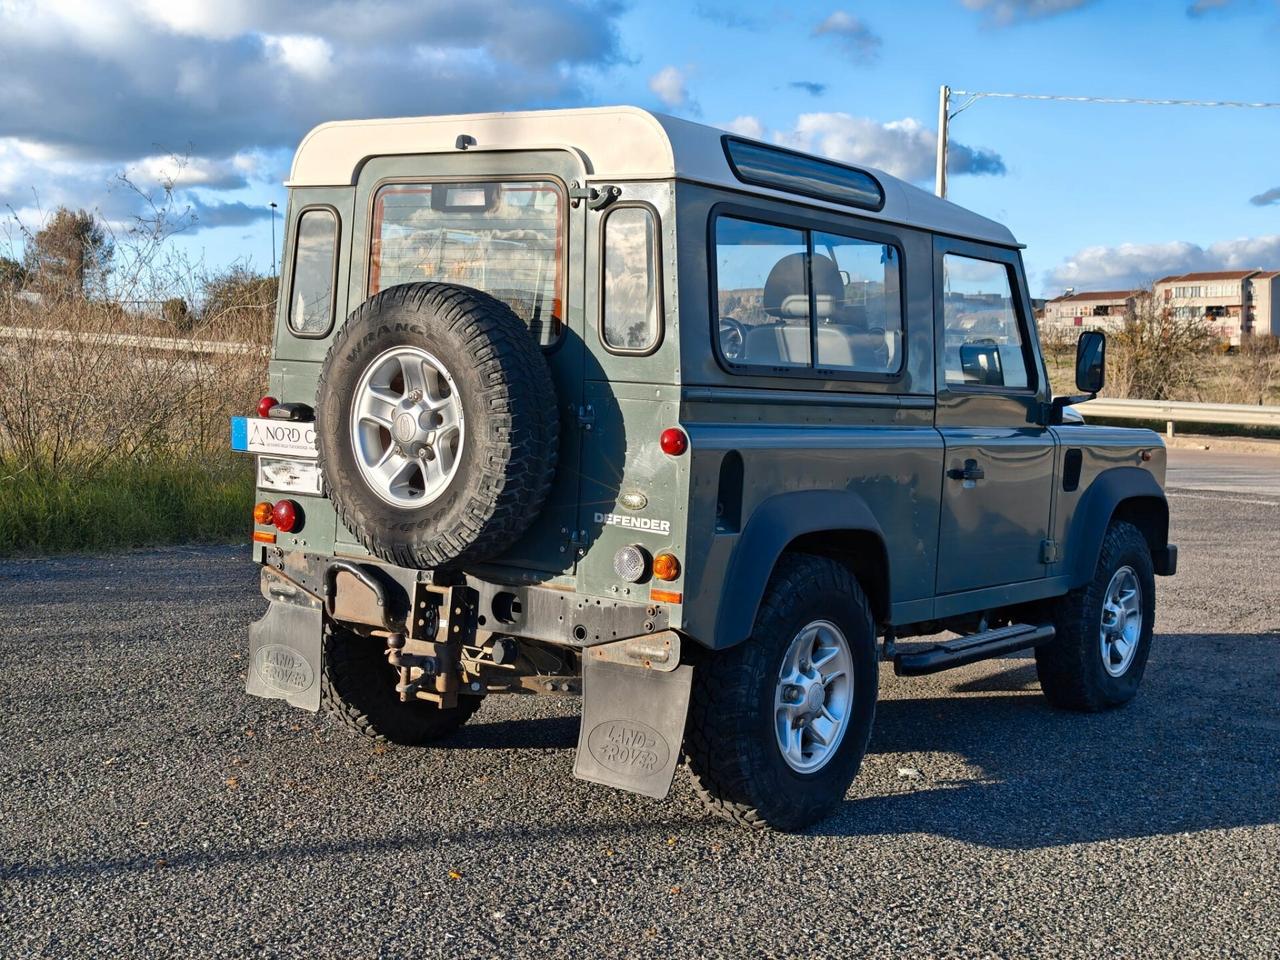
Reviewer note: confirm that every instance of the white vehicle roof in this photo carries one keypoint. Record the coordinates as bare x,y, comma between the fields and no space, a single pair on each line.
613,143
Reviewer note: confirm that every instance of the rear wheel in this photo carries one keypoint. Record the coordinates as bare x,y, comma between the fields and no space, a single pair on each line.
358,686
1097,658
779,724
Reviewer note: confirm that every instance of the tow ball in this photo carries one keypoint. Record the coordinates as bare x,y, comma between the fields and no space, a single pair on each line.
405,663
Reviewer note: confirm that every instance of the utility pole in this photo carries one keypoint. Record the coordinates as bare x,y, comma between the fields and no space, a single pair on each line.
273,239
944,108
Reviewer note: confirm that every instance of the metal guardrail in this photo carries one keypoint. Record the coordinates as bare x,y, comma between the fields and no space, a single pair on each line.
1171,412
169,344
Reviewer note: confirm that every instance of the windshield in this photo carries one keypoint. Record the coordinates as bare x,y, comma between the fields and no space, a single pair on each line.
503,238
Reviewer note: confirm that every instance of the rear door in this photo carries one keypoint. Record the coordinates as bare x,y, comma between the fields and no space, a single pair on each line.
997,484
502,222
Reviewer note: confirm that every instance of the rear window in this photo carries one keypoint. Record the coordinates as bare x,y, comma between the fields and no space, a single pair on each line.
502,237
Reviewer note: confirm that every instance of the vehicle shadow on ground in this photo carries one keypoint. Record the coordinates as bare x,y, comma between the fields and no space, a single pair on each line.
1192,752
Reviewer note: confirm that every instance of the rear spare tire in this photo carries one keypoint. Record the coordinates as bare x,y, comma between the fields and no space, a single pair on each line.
436,424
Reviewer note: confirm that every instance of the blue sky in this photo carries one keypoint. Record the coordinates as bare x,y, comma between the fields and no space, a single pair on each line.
1104,196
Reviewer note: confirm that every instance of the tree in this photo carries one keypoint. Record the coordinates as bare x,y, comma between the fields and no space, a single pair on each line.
70,255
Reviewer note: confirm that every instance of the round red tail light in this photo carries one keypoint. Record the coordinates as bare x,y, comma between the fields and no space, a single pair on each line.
673,441
265,405
287,516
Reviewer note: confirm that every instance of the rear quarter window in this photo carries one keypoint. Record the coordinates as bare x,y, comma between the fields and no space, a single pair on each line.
631,314
314,272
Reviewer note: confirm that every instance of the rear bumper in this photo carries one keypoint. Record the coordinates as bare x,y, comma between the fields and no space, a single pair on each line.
1165,560
550,613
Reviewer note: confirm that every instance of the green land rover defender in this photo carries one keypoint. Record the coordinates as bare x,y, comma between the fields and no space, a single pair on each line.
605,403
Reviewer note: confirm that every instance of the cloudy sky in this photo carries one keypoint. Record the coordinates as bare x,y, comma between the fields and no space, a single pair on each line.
1104,196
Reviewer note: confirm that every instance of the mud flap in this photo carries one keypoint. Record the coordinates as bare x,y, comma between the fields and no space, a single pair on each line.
632,725
285,653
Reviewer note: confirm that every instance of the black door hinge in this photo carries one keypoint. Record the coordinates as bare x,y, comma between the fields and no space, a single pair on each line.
597,197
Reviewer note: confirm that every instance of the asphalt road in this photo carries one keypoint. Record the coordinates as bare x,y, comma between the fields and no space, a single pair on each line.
149,808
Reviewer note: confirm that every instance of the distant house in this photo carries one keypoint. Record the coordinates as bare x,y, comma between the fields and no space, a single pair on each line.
1235,303
1099,309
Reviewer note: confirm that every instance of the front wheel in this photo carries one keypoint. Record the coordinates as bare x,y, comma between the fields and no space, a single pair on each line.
778,725
1098,656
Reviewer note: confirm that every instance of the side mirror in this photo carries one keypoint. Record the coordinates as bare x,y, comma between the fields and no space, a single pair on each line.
1091,361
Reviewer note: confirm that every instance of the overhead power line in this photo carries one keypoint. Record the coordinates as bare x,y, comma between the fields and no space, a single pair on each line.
946,114
1146,101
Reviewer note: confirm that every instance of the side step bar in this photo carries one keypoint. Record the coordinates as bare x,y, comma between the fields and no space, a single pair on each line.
971,649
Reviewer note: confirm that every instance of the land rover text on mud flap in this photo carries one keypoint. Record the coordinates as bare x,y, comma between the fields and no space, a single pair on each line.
608,403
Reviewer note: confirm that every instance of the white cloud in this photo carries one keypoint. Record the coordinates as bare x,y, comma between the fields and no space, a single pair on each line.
1134,265
1005,12
106,85
199,18
852,33
746,126
671,87
311,57
905,148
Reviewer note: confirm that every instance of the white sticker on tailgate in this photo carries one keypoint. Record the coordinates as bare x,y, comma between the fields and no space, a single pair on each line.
280,437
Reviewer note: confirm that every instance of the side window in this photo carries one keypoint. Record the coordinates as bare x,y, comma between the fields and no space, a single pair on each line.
763,293
771,278
311,296
983,341
631,316
858,295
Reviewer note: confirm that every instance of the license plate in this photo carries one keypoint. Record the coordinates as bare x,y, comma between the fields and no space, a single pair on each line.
280,437
289,476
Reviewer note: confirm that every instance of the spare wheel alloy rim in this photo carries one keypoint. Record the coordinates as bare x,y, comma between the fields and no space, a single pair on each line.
407,427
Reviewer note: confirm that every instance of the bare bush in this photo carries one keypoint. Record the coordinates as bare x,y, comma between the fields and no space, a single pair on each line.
1258,366
74,397
1158,355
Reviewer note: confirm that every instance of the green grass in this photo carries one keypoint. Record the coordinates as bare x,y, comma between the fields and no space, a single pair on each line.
126,505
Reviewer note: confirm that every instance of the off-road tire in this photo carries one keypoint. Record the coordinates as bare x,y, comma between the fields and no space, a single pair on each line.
733,756
358,687
1070,667
508,455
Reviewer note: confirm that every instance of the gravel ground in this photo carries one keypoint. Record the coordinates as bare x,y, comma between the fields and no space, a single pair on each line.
150,808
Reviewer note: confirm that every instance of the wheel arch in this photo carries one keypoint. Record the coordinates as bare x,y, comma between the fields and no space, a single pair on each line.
802,522
1130,494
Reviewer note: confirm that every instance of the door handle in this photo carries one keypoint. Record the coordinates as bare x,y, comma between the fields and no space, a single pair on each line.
971,471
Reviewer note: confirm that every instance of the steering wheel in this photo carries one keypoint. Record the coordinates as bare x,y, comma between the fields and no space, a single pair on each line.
733,338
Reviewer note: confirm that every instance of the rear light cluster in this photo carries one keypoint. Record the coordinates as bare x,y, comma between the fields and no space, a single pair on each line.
632,564
265,405
284,515
673,441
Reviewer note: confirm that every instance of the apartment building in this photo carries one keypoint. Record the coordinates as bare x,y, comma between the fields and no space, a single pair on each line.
1098,309
1235,303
